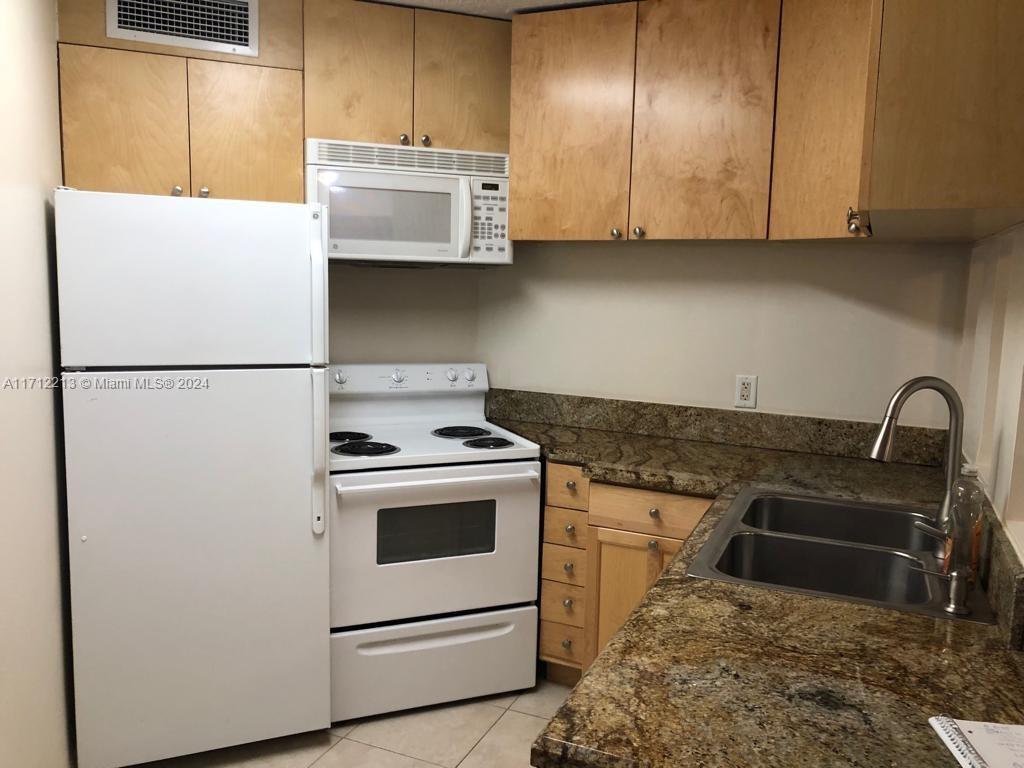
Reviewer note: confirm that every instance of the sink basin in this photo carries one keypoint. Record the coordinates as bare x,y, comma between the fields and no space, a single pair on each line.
869,574
843,521
866,553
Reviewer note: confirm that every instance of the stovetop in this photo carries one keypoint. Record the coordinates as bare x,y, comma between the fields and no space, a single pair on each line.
389,416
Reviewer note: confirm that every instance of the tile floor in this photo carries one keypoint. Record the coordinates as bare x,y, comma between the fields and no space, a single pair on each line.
493,732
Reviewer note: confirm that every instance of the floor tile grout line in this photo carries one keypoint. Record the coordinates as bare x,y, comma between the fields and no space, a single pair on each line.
466,756
393,752
320,756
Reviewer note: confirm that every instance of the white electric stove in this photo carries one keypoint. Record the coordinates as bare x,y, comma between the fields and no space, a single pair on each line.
434,537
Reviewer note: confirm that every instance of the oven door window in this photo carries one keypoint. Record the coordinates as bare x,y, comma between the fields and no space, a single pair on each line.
431,531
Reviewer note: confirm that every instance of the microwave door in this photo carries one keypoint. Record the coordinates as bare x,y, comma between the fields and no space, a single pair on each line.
381,216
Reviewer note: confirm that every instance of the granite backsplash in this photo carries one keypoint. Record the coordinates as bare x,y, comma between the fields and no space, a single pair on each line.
805,434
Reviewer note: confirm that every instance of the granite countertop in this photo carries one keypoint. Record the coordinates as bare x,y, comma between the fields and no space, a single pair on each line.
713,674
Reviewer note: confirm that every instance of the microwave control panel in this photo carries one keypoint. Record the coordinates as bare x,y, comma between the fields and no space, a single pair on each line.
490,220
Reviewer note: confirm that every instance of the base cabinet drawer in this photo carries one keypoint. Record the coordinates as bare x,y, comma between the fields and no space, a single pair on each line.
653,512
567,527
567,487
562,603
565,564
429,662
561,643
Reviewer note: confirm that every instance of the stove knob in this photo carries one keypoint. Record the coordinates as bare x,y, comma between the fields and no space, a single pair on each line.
470,374
452,374
398,377
340,377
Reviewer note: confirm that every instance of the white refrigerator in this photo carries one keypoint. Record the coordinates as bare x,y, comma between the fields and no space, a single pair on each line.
193,345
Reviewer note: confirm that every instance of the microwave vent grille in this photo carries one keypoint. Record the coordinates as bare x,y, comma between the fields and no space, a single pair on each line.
383,157
223,26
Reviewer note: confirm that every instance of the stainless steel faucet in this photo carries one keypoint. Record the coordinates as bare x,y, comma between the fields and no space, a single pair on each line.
948,524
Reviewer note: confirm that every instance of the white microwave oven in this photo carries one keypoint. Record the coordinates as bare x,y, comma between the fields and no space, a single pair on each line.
406,204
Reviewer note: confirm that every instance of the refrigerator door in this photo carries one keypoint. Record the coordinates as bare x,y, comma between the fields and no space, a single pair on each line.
145,280
199,567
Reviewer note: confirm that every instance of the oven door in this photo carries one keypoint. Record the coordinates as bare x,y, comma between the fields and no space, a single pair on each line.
414,543
387,216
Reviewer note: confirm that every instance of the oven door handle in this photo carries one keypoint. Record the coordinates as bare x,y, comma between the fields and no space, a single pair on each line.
410,484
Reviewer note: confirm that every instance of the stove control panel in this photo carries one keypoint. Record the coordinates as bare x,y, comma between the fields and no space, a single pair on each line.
413,378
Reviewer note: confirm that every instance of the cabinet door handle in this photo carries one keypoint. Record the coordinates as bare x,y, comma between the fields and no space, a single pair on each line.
568,567
204,191
403,139
570,529
568,602
639,231
570,484
652,544
176,190
567,643
654,512
616,233
425,139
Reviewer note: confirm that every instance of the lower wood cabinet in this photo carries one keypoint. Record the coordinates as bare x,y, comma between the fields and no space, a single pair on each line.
624,565
604,546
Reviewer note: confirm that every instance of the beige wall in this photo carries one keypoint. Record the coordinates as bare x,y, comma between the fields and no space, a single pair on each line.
993,363
32,706
391,315
829,329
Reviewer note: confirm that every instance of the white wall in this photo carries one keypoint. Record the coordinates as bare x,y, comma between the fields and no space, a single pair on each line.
993,362
391,315
32,706
830,329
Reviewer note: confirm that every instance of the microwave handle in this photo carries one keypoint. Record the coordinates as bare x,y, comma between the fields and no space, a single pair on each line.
356,489
466,219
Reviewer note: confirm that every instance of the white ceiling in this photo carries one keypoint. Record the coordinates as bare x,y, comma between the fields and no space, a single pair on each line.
498,9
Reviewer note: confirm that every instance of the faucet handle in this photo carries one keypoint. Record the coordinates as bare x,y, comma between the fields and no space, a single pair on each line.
930,572
931,530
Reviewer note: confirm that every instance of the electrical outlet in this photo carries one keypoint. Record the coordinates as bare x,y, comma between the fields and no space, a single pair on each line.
746,391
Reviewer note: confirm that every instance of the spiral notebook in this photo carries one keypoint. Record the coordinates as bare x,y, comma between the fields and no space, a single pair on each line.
982,745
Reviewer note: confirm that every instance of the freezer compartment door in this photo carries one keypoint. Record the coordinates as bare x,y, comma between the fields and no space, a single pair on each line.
145,281
199,582
429,662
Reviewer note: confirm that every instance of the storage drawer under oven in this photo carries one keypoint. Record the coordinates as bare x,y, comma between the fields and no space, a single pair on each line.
415,543
428,662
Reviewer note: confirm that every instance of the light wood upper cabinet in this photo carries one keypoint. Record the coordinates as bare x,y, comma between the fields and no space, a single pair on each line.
246,131
622,566
358,71
462,80
572,104
280,33
124,120
909,112
702,120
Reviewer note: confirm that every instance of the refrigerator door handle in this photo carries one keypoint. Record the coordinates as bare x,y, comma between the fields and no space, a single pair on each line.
318,514
318,286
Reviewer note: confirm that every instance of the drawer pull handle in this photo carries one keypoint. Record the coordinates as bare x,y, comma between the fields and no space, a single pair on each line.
567,603
567,643
652,544
568,567
570,529
654,512
570,484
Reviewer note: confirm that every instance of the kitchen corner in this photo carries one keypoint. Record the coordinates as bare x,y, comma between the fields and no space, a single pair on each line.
715,674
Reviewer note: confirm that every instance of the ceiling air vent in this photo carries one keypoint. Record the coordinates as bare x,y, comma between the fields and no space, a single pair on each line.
223,26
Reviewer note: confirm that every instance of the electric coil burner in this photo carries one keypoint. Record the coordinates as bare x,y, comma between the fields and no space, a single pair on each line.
348,437
364,448
461,432
489,443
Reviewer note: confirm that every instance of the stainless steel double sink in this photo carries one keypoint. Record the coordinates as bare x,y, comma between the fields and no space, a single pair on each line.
866,553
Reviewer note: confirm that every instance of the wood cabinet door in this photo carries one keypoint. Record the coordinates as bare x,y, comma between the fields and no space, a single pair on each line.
572,105
245,125
702,121
358,71
124,121
949,109
622,566
827,64
463,75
